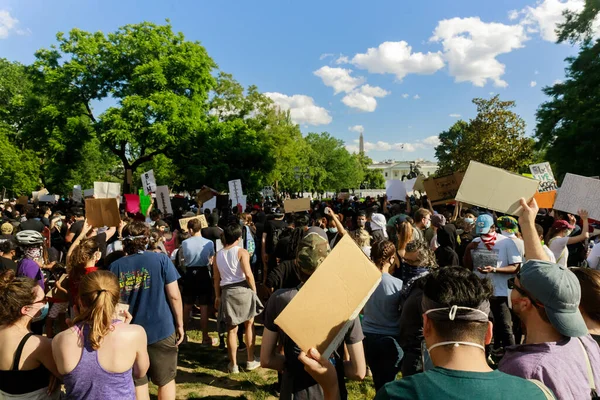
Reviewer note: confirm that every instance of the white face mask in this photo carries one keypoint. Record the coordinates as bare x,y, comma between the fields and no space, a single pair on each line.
427,224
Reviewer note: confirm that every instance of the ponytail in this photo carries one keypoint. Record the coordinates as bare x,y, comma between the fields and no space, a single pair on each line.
99,295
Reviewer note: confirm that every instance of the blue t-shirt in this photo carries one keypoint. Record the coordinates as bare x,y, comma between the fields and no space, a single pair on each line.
142,278
382,311
197,251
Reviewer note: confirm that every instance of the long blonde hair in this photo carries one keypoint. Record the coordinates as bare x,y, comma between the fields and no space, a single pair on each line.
99,295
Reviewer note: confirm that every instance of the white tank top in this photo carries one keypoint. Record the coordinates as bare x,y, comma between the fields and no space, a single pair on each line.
230,267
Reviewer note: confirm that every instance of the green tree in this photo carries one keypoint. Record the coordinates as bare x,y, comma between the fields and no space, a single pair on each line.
156,83
496,136
372,178
568,124
19,169
578,27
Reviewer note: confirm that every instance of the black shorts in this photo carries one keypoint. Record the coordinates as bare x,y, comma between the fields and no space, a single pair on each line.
163,362
198,286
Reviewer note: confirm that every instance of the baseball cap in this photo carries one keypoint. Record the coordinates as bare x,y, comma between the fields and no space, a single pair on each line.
558,289
6,228
507,223
438,220
312,250
562,224
483,224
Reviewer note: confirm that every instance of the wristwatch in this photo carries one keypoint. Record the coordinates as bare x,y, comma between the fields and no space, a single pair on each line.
494,270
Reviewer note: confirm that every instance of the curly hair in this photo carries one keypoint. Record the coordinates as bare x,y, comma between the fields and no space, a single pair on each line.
136,237
15,293
426,257
382,251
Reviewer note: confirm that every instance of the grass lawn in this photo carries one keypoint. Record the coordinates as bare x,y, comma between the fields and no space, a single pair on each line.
202,374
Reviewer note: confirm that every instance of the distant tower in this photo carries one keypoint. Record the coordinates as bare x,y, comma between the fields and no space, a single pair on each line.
361,145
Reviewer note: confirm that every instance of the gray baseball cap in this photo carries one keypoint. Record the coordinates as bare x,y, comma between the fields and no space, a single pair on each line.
558,289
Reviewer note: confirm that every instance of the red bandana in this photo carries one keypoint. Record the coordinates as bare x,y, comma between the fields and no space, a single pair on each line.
489,239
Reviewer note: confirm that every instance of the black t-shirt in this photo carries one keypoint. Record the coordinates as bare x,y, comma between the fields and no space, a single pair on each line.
6,264
33,225
76,229
270,228
283,276
212,233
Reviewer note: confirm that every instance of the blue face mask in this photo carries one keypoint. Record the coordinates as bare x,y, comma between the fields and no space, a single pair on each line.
43,313
333,230
469,221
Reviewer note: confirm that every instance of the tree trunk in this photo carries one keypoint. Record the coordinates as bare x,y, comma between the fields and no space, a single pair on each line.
127,180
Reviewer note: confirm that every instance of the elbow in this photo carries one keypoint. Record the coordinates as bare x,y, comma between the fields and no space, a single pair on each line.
358,375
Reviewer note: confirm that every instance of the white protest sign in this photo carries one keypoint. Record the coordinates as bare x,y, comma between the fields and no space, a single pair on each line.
210,204
398,190
88,193
240,200
35,196
235,191
543,173
49,198
163,200
106,190
268,191
148,182
579,193
77,194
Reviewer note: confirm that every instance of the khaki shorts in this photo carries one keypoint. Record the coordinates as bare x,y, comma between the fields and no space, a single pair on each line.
163,362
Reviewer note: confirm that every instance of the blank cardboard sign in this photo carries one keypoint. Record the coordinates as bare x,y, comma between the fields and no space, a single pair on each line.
102,212
297,205
321,313
183,222
495,189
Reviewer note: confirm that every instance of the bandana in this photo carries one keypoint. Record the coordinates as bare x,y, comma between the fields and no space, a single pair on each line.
489,240
33,253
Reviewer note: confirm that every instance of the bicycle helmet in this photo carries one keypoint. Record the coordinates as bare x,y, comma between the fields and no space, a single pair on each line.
29,238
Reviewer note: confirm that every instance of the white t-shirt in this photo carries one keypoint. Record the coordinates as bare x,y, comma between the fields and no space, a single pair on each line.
549,253
558,245
229,265
594,257
507,253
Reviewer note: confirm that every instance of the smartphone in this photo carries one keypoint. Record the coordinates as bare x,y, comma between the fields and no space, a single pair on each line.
121,311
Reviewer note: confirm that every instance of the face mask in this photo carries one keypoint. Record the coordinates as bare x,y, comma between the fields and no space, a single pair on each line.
242,222
361,223
333,230
428,224
41,314
510,299
568,233
469,221
59,224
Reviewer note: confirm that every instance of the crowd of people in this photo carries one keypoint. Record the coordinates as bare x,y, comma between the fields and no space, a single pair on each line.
471,304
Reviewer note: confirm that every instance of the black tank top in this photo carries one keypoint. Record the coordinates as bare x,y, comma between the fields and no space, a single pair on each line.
21,382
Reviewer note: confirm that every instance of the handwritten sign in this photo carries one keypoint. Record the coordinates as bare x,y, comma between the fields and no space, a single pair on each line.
183,222
164,200
579,193
148,182
543,173
443,189
484,258
106,190
235,191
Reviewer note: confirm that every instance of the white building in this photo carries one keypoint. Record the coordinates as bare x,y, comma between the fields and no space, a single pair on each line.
396,169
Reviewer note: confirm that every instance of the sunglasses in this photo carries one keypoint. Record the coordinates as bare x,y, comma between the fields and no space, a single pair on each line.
522,292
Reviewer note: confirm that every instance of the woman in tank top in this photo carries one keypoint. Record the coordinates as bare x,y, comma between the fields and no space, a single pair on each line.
27,369
235,292
97,355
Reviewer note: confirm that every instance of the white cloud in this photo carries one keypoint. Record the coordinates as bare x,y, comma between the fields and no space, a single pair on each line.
356,128
339,79
432,141
471,47
7,24
532,84
326,55
303,109
405,95
363,98
546,15
416,97
454,115
397,58
342,59
429,142
492,93
513,14
557,82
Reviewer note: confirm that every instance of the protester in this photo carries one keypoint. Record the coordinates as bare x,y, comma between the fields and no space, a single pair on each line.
381,319
540,231
378,228
296,382
558,238
589,306
509,227
85,254
497,258
85,354
8,249
27,369
33,222
417,263
6,229
235,295
148,283
593,259
455,307
422,222
270,238
198,254
558,349
445,254
212,232
438,221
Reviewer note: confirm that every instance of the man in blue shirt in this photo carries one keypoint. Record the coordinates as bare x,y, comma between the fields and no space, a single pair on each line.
198,254
148,283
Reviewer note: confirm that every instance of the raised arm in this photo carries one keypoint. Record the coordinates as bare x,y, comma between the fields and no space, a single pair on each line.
585,233
336,221
533,245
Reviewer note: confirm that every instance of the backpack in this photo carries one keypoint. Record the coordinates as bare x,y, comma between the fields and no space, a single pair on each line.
248,240
277,234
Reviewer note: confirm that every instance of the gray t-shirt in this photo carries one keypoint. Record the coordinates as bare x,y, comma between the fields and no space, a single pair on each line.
559,365
296,383
197,251
382,311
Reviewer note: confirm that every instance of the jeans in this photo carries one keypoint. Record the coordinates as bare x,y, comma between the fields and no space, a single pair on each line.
383,356
503,333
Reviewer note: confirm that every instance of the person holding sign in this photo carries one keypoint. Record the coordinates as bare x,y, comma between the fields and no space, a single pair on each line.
559,236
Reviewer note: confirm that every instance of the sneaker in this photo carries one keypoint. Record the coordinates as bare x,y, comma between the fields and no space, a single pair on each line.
252,365
233,369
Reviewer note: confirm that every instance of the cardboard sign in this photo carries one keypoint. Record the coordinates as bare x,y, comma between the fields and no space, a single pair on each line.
419,187
343,196
107,190
321,313
495,189
579,193
183,222
49,198
235,191
132,203
205,194
543,173
296,205
102,212
443,189
35,196
23,200
546,199
163,200
148,182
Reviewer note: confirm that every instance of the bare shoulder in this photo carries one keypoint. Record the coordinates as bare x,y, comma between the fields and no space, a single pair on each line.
63,337
135,332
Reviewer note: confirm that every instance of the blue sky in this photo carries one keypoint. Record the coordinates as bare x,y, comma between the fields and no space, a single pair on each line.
402,71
